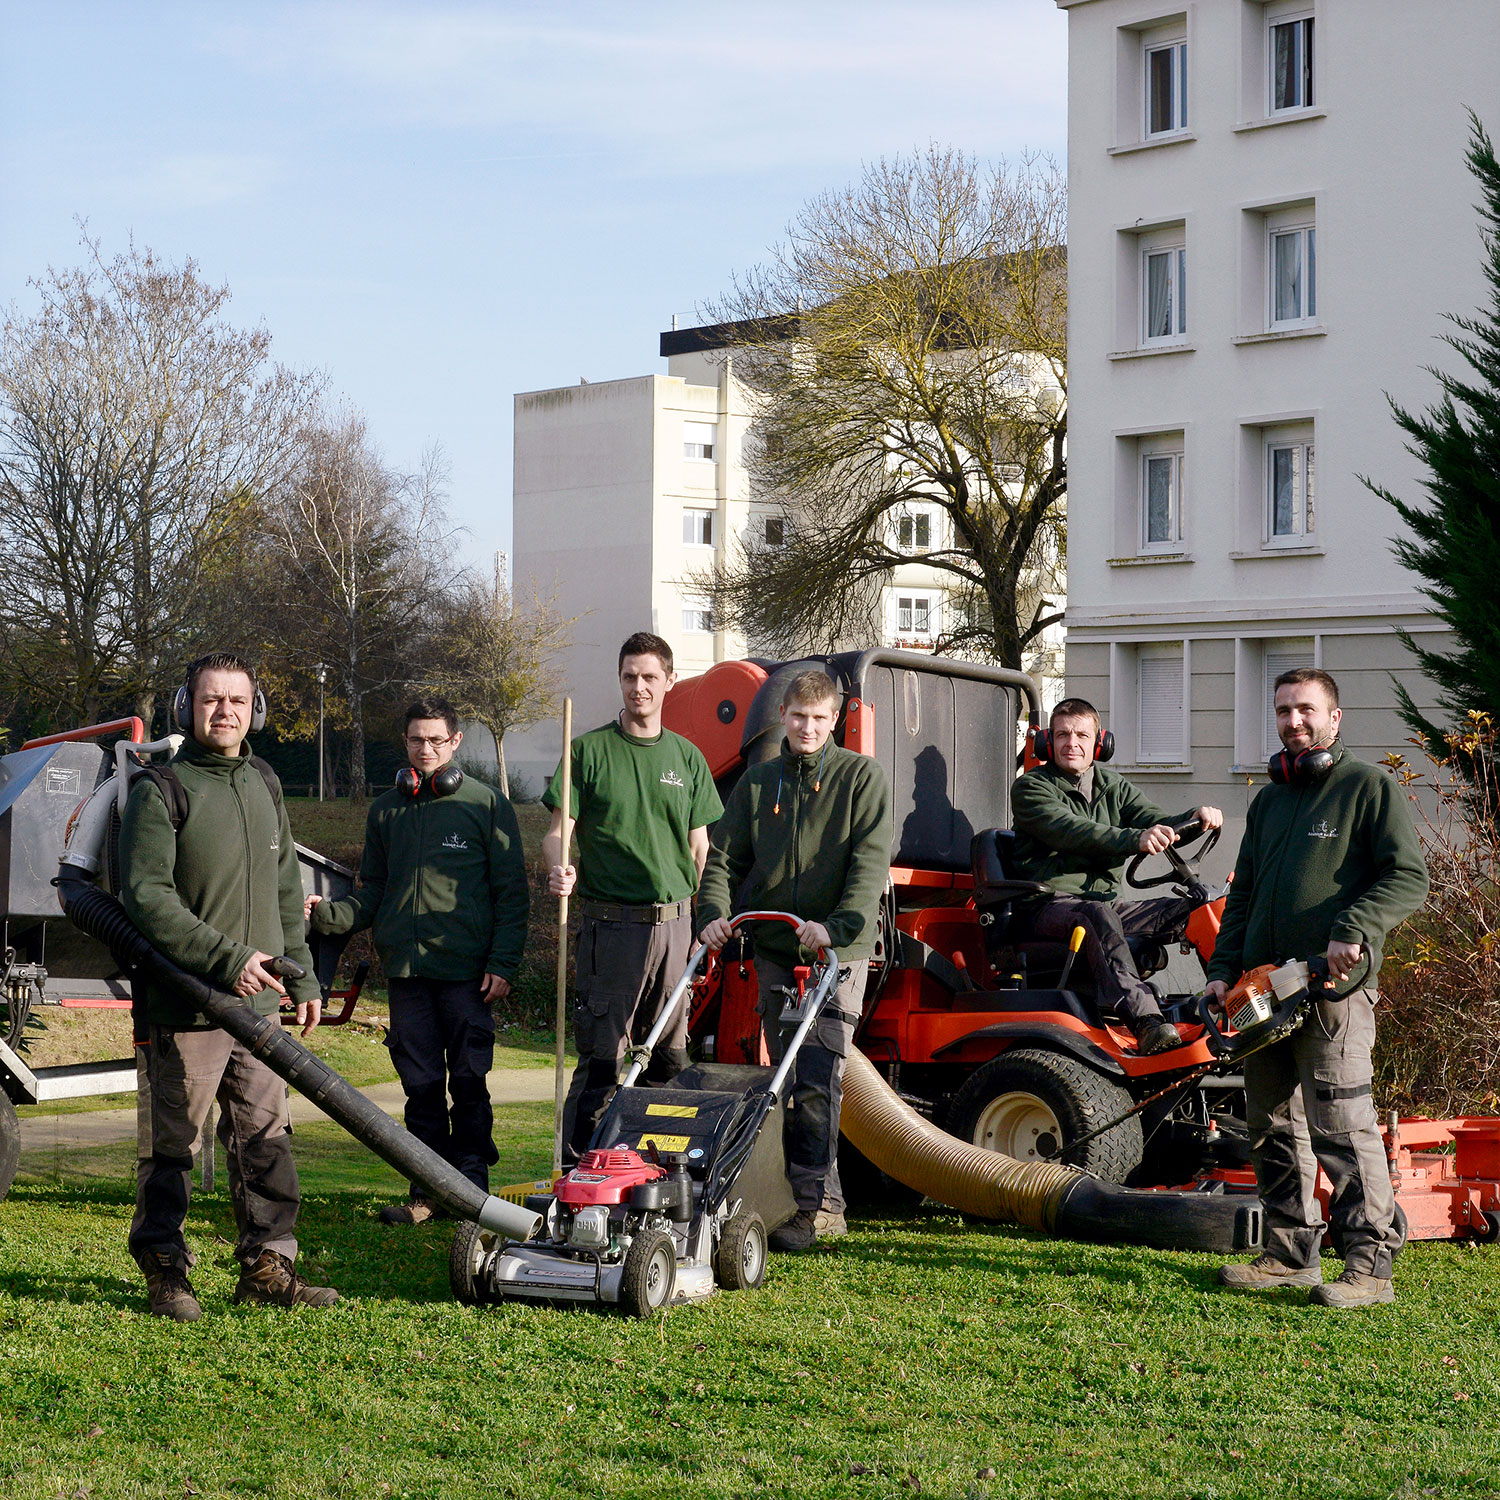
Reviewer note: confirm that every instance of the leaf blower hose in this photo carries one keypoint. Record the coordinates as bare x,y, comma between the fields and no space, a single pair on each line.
1051,1198
101,916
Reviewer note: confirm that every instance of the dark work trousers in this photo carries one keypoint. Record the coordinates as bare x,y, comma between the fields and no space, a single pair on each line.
817,1094
180,1074
626,970
1308,1102
1106,924
442,1041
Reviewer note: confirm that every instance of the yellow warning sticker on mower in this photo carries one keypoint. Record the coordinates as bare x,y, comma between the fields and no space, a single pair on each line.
664,1142
680,1111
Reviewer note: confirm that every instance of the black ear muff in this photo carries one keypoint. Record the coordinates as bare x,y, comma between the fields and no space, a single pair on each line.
1303,768
1041,745
1104,746
1279,768
182,710
447,780
409,781
258,712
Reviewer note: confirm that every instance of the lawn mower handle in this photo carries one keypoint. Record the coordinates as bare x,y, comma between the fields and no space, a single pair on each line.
642,1054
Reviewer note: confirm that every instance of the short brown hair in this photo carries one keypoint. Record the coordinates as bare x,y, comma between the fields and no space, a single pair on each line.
219,661
1076,708
432,707
643,643
811,688
1307,674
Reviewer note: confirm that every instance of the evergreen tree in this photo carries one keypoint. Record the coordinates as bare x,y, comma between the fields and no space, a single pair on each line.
1455,538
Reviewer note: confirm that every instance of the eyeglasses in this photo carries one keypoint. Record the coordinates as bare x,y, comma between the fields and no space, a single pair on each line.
432,742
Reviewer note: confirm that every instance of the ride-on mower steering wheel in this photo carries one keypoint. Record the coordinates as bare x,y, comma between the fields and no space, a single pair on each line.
1189,829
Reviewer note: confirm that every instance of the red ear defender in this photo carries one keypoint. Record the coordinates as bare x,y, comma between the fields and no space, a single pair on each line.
409,781
446,780
1307,766
1104,746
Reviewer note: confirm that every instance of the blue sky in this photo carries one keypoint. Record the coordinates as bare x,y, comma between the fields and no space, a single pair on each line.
440,205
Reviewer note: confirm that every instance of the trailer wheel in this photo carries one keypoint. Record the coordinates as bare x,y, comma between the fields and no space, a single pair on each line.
1028,1102
10,1143
467,1259
740,1259
1489,1230
649,1274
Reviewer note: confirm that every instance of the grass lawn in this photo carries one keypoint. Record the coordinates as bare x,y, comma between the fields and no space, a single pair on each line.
918,1356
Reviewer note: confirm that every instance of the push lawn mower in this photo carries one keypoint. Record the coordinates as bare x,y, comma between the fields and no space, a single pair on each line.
680,1187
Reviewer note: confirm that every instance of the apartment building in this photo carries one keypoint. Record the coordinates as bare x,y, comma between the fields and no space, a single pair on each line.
1270,215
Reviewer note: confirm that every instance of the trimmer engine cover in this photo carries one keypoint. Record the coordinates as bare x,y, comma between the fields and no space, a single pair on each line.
605,1177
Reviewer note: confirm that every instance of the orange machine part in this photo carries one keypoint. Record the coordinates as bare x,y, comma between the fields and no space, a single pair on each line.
710,710
1203,927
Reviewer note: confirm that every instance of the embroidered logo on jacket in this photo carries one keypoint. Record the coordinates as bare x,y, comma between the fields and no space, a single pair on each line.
454,842
671,778
276,841
1322,831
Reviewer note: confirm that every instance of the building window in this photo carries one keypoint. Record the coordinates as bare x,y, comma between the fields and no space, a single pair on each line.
1293,263
698,528
1290,515
1163,294
1278,657
1159,705
1161,501
1291,64
1166,88
699,439
697,617
914,531
775,531
913,614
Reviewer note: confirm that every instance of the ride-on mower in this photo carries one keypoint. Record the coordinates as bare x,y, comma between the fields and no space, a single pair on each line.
679,1190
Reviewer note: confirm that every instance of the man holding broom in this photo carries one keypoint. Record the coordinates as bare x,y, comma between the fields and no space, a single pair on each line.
643,798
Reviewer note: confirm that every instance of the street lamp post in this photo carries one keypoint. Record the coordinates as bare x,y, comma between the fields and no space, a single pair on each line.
322,674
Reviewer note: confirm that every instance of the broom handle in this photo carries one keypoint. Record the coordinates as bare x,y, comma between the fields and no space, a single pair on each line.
559,1082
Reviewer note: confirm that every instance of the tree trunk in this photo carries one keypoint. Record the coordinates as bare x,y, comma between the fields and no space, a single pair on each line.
501,776
358,787
145,710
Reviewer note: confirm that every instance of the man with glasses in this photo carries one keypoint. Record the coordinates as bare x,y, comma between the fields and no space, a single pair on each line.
443,884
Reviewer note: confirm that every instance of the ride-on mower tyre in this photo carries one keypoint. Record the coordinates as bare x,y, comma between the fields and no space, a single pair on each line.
648,1274
1028,1102
471,1247
740,1260
10,1144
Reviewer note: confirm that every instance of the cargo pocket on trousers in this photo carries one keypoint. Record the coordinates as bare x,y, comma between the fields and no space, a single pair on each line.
1341,1102
835,1031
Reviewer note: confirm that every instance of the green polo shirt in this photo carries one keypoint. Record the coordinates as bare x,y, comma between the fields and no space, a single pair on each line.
635,801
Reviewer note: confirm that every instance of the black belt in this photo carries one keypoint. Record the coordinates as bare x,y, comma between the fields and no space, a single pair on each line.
649,916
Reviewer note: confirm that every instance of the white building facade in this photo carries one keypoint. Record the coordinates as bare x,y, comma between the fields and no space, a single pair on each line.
1269,216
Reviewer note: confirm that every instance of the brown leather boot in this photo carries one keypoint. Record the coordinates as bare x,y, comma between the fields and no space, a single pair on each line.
1354,1289
169,1293
1265,1273
273,1282
416,1211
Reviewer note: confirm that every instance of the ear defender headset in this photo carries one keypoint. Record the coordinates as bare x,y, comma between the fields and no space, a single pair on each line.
444,781
1041,744
182,704
1301,769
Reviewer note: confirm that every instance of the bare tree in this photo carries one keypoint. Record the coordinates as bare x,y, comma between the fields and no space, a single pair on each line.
906,348
136,427
495,659
360,554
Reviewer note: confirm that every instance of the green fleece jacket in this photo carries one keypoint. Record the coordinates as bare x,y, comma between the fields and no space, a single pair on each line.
1337,859
442,882
1076,844
824,856
221,888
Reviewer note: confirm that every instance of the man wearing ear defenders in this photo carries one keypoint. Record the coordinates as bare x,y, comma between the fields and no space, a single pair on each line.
209,874
1329,864
443,884
1076,825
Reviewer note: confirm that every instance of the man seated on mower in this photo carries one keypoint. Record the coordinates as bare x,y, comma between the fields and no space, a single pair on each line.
1076,824
809,833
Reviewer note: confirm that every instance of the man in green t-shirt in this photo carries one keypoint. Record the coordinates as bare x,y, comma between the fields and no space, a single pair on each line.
642,799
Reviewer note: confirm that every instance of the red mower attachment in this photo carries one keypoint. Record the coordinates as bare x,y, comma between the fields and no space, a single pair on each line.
605,1177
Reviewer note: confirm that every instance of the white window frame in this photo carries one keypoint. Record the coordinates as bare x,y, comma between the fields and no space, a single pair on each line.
914,517
1176,48
1154,454
1307,82
1175,253
916,603
697,526
1302,451
697,617
694,448
767,522
1301,227
1174,653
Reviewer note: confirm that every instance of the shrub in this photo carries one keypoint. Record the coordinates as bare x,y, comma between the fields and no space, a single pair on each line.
1439,1040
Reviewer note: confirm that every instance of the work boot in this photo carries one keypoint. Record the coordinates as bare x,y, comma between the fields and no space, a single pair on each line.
1266,1273
168,1291
272,1281
417,1211
1354,1289
798,1233
1157,1035
828,1223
